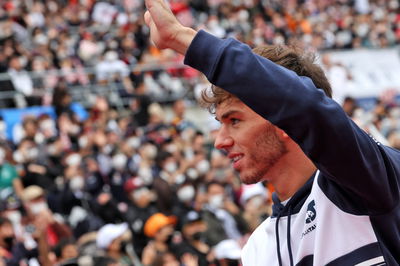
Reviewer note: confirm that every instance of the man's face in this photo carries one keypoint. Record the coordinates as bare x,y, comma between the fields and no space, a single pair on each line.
251,142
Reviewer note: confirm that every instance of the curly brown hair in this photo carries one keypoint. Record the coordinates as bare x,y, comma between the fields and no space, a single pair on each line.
290,57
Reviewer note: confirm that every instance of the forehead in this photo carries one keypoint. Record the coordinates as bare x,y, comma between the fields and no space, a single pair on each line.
230,104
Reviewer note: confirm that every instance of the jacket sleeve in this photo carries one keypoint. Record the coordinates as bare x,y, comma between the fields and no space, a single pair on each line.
344,153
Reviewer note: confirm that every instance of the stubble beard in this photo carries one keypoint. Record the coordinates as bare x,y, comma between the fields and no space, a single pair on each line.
268,149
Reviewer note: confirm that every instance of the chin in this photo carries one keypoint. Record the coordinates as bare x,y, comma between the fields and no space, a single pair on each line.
248,180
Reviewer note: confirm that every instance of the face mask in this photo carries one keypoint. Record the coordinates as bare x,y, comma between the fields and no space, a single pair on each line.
186,193
37,208
198,236
179,179
14,216
169,239
47,125
170,167
216,201
146,175
256,202
150,152
192,173
9,242
171,148
2,156
133,142
139,193
77,183
203,166
18,157
52,150
119,161
33,153
83,142
2,126
73,160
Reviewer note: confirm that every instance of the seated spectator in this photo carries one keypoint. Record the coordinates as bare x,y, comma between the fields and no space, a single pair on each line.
40,220
227,252
110,239
64,251
160,229
113,70
9,177
193,240
12,252
140,208
222,216
253,199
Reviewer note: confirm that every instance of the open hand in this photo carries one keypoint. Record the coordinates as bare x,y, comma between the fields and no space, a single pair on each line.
165,30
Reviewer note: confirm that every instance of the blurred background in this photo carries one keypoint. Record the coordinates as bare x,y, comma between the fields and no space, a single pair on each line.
106,157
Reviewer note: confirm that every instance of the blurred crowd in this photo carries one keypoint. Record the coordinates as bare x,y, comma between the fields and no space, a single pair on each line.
137,187
80,42
111,191
110,188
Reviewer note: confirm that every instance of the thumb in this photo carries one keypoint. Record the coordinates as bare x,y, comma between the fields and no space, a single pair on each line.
147,18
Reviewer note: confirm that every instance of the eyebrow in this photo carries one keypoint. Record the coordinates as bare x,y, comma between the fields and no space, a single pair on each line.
227,114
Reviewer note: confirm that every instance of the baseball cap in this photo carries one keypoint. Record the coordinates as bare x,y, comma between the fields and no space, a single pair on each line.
132,184
32,192
249,191
156,222
227,249
191,217
108,233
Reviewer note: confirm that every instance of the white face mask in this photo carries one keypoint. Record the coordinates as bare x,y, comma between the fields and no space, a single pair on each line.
146,175
2,156
73,160
119,161
38,207
216,201
47,124
139,193
14,216
256,201
3,126
83,141
150,152
134,142
186,193
170,167
33,153
192,173
203,167
77,183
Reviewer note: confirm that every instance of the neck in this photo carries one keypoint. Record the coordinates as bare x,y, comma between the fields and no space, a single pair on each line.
291,173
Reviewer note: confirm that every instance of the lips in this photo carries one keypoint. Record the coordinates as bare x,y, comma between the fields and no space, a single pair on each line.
235,159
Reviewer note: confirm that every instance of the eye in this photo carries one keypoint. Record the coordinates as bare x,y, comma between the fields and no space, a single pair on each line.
234,121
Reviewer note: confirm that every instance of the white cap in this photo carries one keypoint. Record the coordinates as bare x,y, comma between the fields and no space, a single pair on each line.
227,249
252,190
108,233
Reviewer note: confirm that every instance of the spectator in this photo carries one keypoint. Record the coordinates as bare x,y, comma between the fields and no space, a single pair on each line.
113,70
160,229
9,178
140,208
255,202
193,239
39,219
110,239
222,216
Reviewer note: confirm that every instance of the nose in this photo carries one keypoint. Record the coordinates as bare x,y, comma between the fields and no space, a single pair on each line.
223,140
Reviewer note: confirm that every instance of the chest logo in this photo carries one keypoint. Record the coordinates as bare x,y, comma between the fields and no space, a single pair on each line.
311,213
